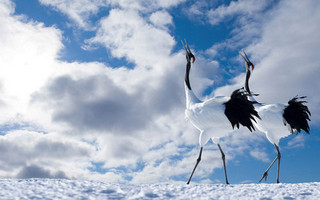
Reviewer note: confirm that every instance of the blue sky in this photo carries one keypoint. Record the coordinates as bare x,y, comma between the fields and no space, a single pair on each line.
93,89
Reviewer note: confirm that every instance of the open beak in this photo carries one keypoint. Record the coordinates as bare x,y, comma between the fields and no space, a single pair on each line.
246,59
188,51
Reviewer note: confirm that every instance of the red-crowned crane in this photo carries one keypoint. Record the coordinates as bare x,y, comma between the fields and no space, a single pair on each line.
216,117
278,120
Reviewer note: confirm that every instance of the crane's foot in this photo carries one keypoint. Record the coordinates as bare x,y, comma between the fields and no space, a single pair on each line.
265,175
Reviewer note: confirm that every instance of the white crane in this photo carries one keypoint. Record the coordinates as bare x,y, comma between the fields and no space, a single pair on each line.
213,116
278,120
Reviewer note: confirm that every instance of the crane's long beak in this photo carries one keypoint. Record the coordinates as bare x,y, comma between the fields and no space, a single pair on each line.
188,51
184,46
246,59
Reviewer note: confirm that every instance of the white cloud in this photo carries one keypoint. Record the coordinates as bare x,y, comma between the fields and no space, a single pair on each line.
128,35
22,74
27,153
120,117
241,7
6,7
169,3
78,11
243,12
145,5
161,19
285,56
111,109
249,18
297,142
81,11
164,168
260,155
198,8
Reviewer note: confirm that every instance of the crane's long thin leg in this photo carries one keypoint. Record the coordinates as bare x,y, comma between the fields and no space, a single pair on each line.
194,169
265,174
279,156
224,163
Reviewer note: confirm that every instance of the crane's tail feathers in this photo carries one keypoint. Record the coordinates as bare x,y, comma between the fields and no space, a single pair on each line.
297,115
240,111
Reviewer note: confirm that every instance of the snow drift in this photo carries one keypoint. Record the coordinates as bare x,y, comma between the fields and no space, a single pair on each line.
80,189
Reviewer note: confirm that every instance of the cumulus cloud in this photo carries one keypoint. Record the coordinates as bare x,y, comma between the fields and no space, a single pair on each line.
297,142
111,109
245,8
145,6
22,74
35,171
161,19
271,53
128,35
241,11
68,116
260,155
81,11
286,63
6,7
290,63
79,103
23,152
78,11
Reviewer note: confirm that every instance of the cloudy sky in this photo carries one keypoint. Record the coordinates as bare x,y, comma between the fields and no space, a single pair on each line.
94,89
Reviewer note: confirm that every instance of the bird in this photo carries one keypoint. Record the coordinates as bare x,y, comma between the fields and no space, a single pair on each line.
216,117
278,120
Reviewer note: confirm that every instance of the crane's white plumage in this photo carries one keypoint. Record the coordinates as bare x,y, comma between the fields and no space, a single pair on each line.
271,122
208,117
215,117
278,120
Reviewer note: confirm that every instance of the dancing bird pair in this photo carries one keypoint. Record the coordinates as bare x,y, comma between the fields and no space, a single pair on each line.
215,117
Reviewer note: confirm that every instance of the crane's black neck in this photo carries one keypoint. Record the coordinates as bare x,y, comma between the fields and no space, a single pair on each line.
248,74
246,85
186,77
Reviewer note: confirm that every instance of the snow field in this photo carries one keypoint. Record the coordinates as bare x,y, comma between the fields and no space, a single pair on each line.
79,189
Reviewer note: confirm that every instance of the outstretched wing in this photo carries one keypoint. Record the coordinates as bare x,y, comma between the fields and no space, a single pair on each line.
239,110
297,115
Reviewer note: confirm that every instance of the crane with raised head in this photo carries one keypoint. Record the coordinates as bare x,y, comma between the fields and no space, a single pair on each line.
216,117
278,120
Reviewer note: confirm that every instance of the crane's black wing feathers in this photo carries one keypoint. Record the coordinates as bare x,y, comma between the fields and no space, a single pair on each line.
297,115
239,110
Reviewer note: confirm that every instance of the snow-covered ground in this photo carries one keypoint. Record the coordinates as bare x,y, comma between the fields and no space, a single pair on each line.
77,189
